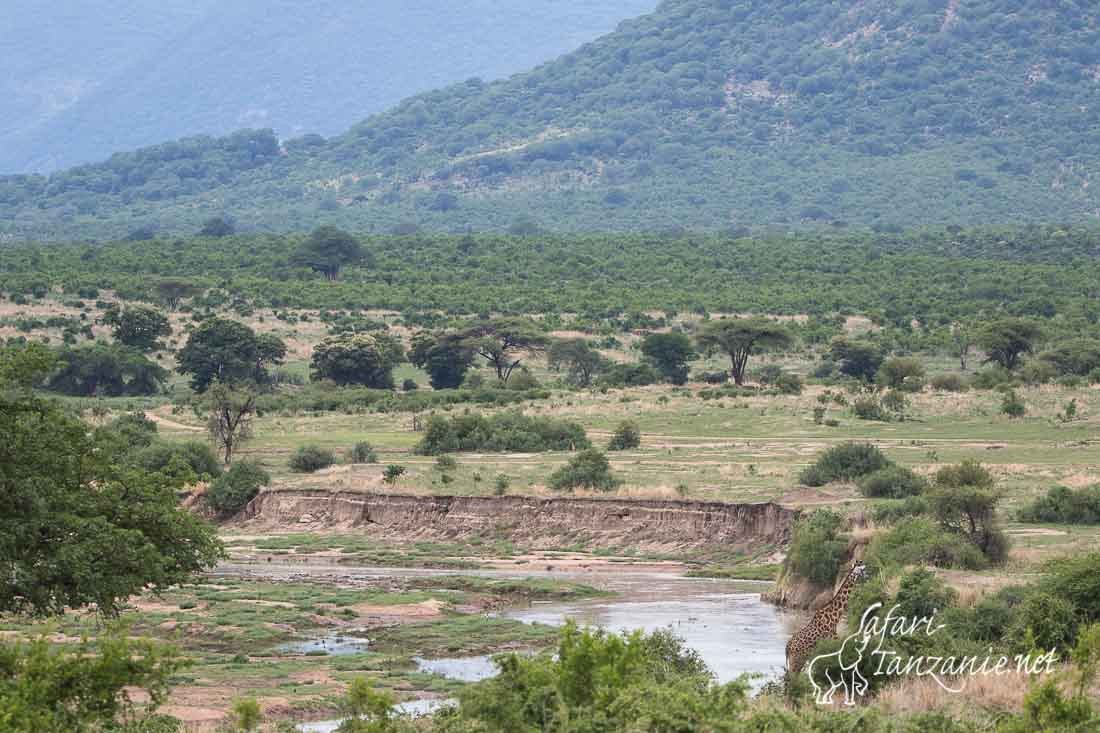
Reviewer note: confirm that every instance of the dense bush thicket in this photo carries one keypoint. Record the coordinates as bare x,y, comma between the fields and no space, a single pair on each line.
818,547
505,432
230,492
310,458
844,462
589,469
1062,505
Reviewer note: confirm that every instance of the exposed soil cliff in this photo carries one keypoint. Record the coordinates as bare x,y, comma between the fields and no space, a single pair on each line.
537,522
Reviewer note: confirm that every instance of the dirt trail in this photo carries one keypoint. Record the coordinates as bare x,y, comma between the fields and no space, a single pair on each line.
162,421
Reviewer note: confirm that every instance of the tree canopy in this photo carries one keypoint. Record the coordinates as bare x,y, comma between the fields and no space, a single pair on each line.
228,351
740,338
328,250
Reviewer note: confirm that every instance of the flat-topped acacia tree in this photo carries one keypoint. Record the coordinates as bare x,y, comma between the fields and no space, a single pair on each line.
501,341
740,338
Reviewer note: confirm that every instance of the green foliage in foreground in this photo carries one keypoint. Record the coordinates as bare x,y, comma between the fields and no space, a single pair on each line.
80,524
845,462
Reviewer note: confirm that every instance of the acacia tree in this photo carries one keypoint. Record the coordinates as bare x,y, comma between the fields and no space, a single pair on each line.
859,359
1007,339
230,411
443,356
138,326
578,358
327,250
172,291
501,341
740,338
360,358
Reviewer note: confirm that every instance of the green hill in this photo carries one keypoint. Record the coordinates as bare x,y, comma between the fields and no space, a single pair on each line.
703,114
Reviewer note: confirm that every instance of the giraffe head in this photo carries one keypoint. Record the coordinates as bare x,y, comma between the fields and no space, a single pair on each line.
859,571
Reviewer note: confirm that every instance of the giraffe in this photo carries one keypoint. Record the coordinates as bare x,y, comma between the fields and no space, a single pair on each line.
824,623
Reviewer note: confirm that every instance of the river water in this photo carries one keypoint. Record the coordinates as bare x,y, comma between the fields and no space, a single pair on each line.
724,621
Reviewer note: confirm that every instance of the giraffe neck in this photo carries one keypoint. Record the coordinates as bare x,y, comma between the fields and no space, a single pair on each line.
837,607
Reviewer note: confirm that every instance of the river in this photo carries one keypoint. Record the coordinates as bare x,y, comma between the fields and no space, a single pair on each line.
724,621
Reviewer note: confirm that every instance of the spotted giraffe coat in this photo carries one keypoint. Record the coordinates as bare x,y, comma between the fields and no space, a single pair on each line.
824,623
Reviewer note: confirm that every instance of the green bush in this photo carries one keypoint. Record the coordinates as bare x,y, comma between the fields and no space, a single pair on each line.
362,452
230,492
1075,578
787,383
506,432
845,462
818,547
626,436
196,455
948,383
1012,405
921,541
889,512
870,408
522,381
310,458
1063,505
589,469
392,473
1043,621
892,482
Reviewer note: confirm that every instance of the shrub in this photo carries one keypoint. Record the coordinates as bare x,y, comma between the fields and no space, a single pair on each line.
1063,505
869,408
845,462
506,432
231,491
787,383
310,458
1012,405
1075,579
501,484
818,547
901,373
629,375
196,455
446,462
992,378
921,594
362,452
589,469
522,381
892,482
890,512
964,500
948,383
626,436
1043,621
409,385
921,541
392,473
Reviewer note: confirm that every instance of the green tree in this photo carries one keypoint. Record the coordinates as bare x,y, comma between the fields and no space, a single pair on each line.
740,338
78,524
443,356
327,250
901,373
138,326
172,291
964,499
1007,339
669,353
218,227
357,358
229,351
626,436
579,360
503,342
856,358
106,370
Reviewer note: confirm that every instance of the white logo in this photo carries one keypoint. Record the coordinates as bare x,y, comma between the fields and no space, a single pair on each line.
845,668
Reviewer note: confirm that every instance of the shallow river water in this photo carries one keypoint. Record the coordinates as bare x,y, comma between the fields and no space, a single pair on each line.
725,621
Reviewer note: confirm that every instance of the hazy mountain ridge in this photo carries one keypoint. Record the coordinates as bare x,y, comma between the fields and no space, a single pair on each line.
706,113
91,78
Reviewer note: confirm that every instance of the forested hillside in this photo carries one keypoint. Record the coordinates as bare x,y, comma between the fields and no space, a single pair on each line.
705,114
87,78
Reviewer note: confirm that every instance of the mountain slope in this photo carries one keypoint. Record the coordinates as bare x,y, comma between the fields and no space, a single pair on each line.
705,113
89,78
